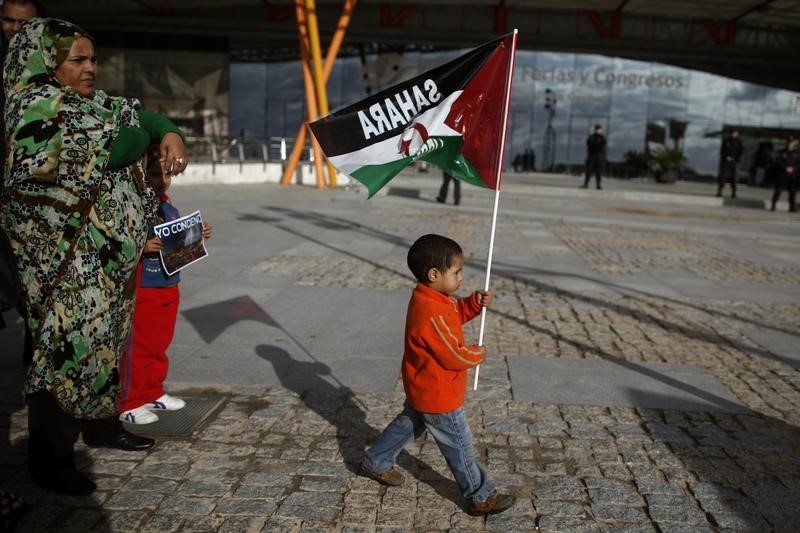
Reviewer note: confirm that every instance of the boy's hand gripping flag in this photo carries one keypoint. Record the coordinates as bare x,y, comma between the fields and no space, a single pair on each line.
453,116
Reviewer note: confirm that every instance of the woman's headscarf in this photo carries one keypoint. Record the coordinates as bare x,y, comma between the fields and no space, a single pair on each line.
53,133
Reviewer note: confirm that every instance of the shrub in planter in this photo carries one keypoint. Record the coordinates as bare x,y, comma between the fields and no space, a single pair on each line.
667,164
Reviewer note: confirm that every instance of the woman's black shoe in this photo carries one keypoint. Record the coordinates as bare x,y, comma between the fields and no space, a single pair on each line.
110,433
121,439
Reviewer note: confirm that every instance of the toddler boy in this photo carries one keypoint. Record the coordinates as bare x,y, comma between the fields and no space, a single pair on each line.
434,368
154,316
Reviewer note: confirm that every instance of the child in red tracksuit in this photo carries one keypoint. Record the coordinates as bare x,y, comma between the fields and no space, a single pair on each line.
435,364
154,317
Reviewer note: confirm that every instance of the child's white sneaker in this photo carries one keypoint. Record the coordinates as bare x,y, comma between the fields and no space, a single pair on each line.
167,403
140,415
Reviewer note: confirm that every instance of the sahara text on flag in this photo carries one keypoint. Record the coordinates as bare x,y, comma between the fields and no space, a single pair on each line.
399,109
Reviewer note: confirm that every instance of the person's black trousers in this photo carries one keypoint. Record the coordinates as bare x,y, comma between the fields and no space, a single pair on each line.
52,433
788,182
446,179
727,171
594,165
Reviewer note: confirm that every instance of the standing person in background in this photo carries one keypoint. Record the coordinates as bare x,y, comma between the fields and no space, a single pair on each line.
15,13
595,156
763,162
154,316
76,212
446,179
789,161
729,155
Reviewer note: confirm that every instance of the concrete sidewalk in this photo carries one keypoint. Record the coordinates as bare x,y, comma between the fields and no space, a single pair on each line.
643,368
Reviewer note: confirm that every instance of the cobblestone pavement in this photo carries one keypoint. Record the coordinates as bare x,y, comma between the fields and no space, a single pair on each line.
596,279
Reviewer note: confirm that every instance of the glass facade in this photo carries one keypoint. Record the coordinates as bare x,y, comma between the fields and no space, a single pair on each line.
640,105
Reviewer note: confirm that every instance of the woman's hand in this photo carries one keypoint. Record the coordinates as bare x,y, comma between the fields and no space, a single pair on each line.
173,154
206,231
152,245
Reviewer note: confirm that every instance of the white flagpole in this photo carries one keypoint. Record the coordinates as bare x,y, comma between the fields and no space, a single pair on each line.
507,104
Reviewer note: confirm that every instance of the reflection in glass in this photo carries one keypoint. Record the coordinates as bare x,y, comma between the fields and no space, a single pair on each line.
634,101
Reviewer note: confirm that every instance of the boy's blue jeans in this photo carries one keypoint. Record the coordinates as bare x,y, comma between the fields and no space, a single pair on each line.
454,438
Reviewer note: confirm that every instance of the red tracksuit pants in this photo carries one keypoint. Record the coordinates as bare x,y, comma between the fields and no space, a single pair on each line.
145,368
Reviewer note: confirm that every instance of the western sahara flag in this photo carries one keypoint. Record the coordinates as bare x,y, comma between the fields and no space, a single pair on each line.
451,116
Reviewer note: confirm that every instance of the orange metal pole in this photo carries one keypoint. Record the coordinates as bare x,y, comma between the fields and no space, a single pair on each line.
319,80
311,104
338,37
330,59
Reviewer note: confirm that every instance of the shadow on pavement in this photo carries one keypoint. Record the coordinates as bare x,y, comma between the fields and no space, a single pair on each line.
343,410
46,510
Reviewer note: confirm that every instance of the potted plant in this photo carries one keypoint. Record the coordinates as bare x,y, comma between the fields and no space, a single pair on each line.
667,164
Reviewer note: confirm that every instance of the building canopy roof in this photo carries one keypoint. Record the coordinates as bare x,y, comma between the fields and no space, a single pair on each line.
754,40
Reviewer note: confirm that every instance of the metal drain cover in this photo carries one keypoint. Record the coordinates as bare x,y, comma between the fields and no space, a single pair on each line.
182,422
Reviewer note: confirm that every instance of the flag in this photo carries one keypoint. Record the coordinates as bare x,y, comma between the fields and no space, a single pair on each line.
452,116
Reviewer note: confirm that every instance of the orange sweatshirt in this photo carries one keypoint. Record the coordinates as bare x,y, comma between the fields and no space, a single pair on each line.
435,360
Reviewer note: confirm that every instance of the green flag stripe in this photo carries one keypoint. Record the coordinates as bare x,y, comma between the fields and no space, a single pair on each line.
376,176
449,159
446,155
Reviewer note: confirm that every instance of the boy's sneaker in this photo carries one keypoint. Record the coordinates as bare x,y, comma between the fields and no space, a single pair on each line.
140,415
167,403
495,503
391,477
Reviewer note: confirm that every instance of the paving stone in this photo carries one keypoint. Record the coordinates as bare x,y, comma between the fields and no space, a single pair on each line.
619,497
163,522
242,524
677,514
186,505
125,500
120,521
150,484
113,468
560,508
557,523
508,521
259,491
167,471
229,506
737,521
203,523
394,517
309,513
559,488
218,474
323,485
313,499
607,511
627,528
200,488
359,514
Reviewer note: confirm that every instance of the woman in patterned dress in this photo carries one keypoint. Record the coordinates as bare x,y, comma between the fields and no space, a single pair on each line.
75,207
